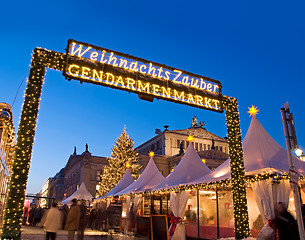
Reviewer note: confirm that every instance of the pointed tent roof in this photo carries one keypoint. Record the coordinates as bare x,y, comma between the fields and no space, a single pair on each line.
150,178
261,152
124,183
189,168
81,193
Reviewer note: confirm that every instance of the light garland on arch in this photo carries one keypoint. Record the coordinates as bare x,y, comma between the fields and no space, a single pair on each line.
16,194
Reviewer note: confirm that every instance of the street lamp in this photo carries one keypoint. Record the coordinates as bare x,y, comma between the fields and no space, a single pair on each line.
300,154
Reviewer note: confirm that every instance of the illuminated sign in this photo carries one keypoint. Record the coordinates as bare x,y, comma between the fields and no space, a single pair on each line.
121,71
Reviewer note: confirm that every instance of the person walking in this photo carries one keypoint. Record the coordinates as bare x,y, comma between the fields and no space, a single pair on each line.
52,222
72,221
286,224
82,220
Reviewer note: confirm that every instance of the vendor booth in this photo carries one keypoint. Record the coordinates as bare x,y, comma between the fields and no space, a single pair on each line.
201,200
211,207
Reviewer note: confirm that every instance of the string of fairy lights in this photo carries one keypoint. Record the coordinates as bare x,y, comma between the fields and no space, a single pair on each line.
16,194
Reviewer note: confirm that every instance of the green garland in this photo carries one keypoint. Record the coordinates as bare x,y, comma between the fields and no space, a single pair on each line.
25,137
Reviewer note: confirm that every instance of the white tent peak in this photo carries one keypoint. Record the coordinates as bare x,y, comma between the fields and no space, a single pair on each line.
261,153
150,178
81,193
189,168
125,181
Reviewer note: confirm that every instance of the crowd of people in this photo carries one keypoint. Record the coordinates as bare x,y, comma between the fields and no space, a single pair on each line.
77,217
74,219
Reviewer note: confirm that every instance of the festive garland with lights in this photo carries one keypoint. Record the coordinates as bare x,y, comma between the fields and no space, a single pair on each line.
8,130
25,137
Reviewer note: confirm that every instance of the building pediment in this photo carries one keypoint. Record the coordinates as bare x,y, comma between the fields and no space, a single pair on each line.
197,132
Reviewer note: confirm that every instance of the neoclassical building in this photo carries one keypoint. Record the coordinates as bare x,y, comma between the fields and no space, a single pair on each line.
7,150
169,147
83,168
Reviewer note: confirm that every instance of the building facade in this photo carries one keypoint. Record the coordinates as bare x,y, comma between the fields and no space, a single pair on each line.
7,151
44,194
83,168
169,147
57,187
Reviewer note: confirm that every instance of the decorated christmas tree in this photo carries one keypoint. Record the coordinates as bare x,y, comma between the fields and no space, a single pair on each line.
123,155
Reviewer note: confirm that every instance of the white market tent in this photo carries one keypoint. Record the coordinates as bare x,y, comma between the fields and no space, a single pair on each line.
261,153
124,183
81,193
189,168
149,179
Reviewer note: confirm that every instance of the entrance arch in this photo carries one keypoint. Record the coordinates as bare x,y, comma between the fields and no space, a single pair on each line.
149,80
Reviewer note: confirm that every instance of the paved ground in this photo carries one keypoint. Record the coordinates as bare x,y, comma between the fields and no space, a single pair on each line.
37,233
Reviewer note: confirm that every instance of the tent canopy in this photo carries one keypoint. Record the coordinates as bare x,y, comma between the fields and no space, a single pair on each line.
189,168
124,183
149,179
261,153
81,193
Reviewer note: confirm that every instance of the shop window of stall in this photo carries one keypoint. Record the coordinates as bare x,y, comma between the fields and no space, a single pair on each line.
191,215
207,214
225,213
256,221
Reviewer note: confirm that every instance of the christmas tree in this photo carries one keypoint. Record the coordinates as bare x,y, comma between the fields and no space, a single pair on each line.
123,154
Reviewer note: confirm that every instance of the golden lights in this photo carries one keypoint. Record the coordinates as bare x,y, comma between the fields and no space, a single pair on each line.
127,165
140,86
142,66
253,111
190,138
151,154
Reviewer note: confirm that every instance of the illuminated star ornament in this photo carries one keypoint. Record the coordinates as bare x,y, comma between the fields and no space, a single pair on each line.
127,165
190,138
253,111
151,154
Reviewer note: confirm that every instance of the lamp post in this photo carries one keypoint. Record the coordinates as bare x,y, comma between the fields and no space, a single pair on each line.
291,143
300,154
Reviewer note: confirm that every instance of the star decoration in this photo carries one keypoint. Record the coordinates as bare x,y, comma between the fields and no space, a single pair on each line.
151,154
127,165
253,111
190,138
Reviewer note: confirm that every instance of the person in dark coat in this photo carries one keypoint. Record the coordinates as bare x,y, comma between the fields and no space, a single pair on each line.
38,212
31,214
72,222
82,220
286,224
91,220
64,209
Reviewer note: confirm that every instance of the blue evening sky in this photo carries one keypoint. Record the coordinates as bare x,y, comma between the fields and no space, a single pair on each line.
256,49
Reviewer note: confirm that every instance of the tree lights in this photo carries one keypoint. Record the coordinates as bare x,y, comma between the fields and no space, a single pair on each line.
123,156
